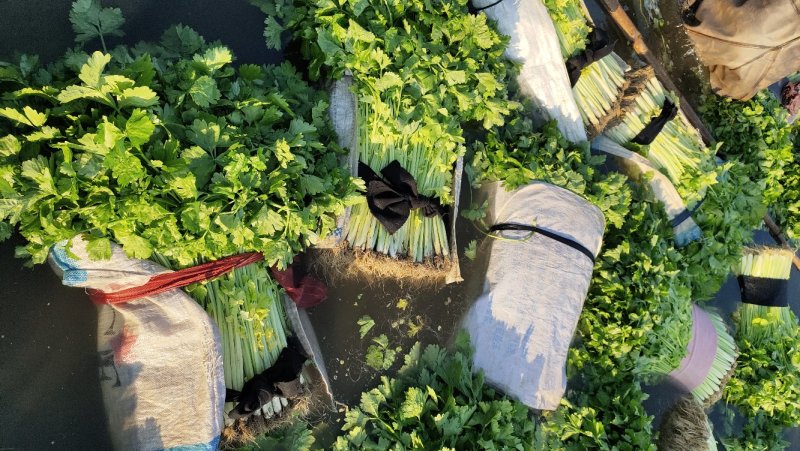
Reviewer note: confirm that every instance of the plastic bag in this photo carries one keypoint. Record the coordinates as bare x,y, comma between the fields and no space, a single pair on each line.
160,356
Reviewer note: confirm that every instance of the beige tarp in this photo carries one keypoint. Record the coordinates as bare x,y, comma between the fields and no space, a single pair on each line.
747,45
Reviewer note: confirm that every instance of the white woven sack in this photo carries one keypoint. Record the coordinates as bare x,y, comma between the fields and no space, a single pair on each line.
160,356
543,76
522,324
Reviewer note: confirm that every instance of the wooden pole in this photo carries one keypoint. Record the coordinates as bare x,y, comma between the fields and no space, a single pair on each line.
630,31
775,231
633,35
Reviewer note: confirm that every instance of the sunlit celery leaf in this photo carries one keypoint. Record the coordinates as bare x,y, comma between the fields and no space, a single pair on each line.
176,179
90,20
26,116
9,146
214,58
422,407
365,324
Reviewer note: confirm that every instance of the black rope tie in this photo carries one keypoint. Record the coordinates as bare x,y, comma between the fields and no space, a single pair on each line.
475,10
392,197
598,48
651,131
686,214
505,226
764,291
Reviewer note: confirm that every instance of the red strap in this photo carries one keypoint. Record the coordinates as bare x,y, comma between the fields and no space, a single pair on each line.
176,279
306,292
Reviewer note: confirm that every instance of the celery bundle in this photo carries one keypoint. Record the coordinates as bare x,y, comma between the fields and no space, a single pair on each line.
677,150
598,90
724,362
246,304
710,357
767,379
766,262
415,147
412,98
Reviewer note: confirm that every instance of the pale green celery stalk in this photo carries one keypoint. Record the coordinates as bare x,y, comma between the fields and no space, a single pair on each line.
364,231
723,361
246,304
768,262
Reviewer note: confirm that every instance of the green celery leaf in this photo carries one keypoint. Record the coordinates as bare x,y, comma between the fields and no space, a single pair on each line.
89,20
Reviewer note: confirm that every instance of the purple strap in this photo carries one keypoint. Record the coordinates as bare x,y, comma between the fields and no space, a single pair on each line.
700,354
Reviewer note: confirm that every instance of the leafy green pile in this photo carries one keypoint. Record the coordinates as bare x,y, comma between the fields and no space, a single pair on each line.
436,402
169,149
767,378
755,133
757,434
421,69
790,201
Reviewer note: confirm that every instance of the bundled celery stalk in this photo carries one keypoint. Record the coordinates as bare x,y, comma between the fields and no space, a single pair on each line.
599,87
412,98
677,149
420,238
709,360
767,379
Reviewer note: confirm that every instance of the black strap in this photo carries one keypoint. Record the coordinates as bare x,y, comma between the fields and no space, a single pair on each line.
392,197
598,47
651,131
505,226
686,214
475,10
764,291
689,14
259,390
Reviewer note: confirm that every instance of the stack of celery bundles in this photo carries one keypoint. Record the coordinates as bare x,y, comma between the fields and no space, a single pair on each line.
652,124
597,73
767,379
709,360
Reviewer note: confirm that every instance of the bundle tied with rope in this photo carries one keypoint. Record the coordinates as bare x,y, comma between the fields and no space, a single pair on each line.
653,136
156,344
539,259
383,239
639,168
596,73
